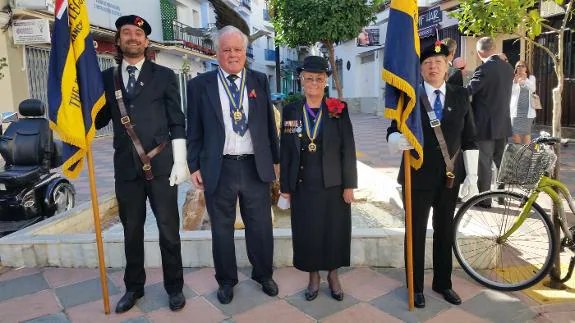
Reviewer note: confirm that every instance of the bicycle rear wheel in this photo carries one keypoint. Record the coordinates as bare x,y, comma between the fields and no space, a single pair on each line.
520,261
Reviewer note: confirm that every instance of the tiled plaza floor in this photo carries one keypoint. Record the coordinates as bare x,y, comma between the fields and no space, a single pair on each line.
371,295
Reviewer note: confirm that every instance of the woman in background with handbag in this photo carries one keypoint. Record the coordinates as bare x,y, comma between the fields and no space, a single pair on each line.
523,105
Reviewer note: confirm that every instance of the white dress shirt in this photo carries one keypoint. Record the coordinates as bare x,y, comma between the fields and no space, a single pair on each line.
126,75
430,91
234,143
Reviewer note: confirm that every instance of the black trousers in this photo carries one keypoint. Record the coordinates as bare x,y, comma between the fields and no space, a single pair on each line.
443,202
239,179
163,198
489,151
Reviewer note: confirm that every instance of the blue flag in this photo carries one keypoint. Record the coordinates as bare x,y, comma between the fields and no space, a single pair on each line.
75,87
401,72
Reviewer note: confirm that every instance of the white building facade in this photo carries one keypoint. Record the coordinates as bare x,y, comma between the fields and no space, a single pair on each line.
360,63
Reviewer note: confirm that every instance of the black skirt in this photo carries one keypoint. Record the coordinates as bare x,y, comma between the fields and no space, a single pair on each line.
320,218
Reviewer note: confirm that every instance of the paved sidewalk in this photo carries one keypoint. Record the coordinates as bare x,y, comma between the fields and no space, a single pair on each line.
371,295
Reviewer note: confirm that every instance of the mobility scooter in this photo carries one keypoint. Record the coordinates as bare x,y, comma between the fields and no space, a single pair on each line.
29,190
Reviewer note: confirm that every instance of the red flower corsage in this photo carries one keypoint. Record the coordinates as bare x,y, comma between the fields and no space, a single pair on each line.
335,107
252,94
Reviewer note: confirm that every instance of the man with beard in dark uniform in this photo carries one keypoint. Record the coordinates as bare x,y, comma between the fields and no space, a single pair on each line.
149,156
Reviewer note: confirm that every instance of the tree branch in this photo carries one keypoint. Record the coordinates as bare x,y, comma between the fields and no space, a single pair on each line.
547,50
553,29
567,15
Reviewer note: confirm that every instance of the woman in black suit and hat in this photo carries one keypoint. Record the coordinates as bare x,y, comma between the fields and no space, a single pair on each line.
318,175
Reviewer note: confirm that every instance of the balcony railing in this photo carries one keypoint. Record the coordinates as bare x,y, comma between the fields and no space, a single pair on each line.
267,15
250,52
270,55
193,38
247,4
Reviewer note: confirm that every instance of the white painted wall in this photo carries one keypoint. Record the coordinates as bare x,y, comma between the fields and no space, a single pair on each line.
176,62
189,12
363,80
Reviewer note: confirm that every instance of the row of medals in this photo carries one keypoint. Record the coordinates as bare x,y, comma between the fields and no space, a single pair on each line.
312,147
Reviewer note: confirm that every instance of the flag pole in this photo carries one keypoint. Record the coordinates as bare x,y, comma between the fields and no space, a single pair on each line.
408,228
99,244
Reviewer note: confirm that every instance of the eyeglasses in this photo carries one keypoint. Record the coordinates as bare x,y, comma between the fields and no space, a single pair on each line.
520,65
311,80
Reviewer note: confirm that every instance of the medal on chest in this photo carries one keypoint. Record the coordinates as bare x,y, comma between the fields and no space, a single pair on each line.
312,132
238,116
236,98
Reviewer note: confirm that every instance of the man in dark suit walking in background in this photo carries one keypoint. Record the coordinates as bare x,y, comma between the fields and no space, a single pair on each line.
449,110
490,87
146,117
232,149
454,75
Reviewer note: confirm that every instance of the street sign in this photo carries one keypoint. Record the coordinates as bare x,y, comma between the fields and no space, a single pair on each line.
31,31
34,4
429,18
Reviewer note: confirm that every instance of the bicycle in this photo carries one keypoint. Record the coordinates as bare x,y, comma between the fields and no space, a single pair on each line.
511,244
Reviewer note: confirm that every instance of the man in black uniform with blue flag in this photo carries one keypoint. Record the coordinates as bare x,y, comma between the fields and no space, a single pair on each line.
449,132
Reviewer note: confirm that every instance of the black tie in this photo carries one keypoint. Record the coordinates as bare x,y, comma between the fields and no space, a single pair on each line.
239,126
132,79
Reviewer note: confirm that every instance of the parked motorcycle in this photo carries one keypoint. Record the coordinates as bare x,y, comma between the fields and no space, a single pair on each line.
29,190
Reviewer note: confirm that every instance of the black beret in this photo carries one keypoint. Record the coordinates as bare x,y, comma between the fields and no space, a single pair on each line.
436,49
134,20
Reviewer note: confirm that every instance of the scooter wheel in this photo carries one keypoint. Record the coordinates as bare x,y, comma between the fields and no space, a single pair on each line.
62,198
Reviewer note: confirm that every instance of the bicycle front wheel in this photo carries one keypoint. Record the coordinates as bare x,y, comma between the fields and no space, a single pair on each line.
508,264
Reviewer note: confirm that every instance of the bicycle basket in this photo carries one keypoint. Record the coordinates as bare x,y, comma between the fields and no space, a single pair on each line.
525,164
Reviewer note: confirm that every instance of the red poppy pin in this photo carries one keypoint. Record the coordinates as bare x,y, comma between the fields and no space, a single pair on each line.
335,107
252,94
138,21
437,46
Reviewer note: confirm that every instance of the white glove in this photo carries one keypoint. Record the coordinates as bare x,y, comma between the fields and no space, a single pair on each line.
180,170
469,187
396,142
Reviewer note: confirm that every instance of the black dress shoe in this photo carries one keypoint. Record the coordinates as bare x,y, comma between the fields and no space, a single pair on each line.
177,301
419,300
338,296
128,301
225,294
270,287
450,295
310,295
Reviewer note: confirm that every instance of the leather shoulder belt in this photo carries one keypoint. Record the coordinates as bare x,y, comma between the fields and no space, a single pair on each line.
436,126
125,120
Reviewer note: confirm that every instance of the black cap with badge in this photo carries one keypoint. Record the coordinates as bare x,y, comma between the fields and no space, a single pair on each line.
437,49
136,21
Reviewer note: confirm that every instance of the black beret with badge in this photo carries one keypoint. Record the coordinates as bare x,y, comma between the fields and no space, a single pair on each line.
136,21
437,49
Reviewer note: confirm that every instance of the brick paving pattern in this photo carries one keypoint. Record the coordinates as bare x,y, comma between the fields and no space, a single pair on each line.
372,294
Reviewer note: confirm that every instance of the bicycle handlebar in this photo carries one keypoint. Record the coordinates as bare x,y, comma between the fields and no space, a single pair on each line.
552,140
